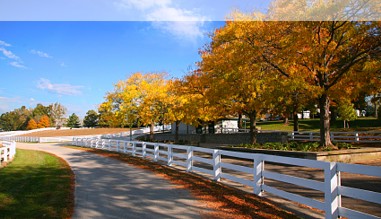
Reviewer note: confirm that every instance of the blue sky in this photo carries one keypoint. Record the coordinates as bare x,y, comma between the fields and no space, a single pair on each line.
64,51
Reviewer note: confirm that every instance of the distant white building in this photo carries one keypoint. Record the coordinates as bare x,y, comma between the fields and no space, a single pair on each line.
304,115
226,124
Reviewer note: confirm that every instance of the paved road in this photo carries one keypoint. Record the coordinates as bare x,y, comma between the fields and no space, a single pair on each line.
107,188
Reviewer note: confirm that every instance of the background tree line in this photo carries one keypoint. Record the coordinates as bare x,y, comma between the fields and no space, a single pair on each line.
39,117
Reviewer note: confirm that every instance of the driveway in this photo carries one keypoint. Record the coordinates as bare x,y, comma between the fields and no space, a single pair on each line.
108,188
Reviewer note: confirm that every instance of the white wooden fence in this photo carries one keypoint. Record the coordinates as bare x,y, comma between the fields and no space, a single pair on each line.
21,139
7,151
349,137
213,164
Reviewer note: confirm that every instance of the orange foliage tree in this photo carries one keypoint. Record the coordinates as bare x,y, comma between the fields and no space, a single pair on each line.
44,122
31,124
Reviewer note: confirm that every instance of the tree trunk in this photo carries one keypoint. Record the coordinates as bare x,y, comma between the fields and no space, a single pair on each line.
240,121
151,127
253,129
325,138
286,118
295,118
177,124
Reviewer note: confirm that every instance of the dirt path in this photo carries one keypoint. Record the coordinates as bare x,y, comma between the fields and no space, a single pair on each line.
108,188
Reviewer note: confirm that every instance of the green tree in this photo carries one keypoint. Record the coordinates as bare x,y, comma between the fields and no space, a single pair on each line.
347,113
91,119
73,121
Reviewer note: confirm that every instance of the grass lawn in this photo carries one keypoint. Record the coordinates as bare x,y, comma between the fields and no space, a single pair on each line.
361,124
36,185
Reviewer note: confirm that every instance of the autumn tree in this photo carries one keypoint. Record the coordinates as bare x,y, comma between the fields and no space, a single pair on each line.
44,122
240,81
31,124
324,54
142,98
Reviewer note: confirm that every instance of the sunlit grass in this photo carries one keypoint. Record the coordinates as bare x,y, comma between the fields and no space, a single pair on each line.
361,124
36,185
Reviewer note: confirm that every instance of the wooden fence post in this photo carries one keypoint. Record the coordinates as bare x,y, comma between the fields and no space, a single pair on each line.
170,156
331,195
144,151
134,149
189,158
217,165
259,166
156,152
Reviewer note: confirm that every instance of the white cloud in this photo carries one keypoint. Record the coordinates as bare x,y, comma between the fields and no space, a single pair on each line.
62,64
181,23
2,43
9,54
17,64
63,89
40,53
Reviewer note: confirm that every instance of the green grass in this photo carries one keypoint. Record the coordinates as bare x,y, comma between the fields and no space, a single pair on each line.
36,185
361,124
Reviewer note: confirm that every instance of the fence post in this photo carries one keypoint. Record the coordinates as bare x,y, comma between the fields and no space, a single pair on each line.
133,148
331,196
156,152
170,156
144,152
5,154
357,137
125,147
292,135
117,145
311,136
189,158
259,166
217,165
332,136
109,145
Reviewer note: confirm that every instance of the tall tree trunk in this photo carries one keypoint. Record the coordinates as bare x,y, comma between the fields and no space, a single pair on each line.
151,127
325,138
295,118
253,129
240,121
177,124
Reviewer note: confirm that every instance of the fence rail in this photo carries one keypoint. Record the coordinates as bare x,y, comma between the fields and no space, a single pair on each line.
212,163
349,137
7,151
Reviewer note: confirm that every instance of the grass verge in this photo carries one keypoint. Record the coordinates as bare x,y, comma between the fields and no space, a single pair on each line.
225,201
36,185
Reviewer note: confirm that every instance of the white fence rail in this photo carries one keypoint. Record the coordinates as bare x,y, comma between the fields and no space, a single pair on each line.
138,132
212,163
7,151
349,137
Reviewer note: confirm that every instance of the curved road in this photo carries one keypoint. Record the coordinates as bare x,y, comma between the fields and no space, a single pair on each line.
108,188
